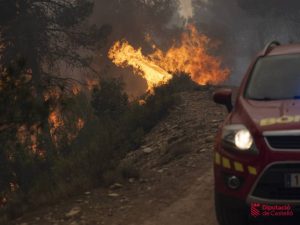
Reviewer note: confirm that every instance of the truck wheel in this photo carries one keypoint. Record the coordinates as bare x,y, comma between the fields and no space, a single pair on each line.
229,213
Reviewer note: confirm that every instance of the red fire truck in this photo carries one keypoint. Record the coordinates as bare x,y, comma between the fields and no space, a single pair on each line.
257,152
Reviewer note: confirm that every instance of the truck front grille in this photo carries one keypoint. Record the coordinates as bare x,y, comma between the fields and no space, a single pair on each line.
284,142
271,184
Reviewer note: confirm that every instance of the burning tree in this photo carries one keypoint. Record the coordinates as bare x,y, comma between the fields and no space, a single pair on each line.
37,38
46,35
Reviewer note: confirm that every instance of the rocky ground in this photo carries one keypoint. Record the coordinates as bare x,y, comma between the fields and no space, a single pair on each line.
174,182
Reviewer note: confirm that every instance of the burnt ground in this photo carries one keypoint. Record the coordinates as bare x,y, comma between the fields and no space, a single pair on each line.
174,185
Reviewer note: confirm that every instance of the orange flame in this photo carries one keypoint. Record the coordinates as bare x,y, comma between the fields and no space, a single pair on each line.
60,126
55,119
53,93
76,89
123,54
91,83
189,56
55,122
29,135
80,123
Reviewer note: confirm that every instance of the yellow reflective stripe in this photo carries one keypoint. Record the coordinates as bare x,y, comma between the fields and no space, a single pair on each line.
226,163
252,170
238,167
218,159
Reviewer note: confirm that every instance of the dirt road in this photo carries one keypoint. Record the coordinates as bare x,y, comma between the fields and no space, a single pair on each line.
174,184
194,208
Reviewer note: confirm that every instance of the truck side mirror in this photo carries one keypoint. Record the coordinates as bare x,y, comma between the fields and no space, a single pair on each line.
223,96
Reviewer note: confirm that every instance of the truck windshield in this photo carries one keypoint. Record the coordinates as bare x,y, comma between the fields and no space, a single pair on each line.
275,78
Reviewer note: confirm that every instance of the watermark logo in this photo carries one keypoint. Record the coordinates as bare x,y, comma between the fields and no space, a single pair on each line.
255,210
264,210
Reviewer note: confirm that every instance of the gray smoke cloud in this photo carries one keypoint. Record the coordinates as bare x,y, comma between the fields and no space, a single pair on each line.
186,9
245,26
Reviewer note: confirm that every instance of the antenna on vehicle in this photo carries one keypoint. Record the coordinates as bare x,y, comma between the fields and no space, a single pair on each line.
269,47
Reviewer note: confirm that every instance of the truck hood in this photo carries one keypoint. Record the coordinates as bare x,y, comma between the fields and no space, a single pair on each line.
272,115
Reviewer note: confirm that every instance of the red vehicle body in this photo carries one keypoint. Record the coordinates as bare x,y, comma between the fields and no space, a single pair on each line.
262,174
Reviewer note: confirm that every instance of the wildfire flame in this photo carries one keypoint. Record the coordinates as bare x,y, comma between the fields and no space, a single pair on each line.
190,56
123,54
80,123
91,83
28,135
55,119
56,122
60,123
76,89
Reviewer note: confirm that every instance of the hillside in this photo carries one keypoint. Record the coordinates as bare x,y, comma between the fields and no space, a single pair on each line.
166,181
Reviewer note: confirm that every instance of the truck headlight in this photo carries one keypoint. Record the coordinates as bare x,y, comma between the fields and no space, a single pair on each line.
237,137
243,139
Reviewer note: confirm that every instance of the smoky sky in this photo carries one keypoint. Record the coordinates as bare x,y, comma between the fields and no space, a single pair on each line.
245,26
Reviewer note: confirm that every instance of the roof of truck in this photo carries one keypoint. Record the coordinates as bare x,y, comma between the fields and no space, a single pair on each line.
275,48
284,50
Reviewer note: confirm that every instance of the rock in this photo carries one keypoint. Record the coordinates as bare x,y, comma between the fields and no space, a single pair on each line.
82,218
74,223
143,180
203,150
87,193
73,212
173,139
114,195
209,139
124,200
131,180
116,186
110,212
147,150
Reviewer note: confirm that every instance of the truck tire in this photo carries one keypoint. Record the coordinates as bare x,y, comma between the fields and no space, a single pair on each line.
230,213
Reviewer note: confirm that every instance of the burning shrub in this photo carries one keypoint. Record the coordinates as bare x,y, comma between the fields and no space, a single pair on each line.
22,133
158,103
109,99
106,130
181,82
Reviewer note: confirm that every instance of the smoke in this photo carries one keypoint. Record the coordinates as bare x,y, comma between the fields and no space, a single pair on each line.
245,26
186,9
